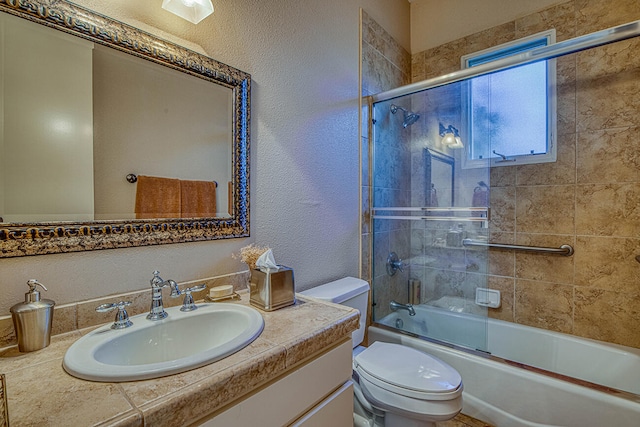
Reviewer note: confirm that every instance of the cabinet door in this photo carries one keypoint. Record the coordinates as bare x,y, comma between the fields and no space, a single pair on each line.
301,391
336,410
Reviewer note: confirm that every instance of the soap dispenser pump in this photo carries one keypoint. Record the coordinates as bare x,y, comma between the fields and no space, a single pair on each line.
32,319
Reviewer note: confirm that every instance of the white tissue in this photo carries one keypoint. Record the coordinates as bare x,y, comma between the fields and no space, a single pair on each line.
266,261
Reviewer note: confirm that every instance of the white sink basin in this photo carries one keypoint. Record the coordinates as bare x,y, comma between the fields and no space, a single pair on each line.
152,349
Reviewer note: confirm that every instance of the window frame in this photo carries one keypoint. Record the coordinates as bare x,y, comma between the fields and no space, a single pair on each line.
498,52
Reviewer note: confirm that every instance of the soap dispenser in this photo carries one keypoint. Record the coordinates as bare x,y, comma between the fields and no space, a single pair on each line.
32,319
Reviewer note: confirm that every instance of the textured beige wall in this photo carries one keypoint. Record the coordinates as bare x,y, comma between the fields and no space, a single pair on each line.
304,61
434,22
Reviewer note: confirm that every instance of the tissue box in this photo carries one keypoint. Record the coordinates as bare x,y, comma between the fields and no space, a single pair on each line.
272,289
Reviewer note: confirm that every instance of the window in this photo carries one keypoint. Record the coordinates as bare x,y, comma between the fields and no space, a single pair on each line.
510,115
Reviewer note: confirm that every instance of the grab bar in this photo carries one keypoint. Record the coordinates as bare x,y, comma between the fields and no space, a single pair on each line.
566,250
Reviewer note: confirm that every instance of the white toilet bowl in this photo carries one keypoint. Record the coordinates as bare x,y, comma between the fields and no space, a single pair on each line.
395,386
410,387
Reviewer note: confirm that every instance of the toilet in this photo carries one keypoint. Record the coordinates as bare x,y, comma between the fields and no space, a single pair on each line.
394,385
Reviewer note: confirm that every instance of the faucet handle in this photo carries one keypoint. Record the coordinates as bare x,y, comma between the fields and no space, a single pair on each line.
122,318
394,263
187,303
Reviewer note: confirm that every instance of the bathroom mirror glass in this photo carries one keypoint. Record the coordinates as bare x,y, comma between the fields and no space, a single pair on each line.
113,105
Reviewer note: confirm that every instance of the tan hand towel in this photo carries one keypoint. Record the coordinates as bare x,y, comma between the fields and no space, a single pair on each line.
157,197
198,199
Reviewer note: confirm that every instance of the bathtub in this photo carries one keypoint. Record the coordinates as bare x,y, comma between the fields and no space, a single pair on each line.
528,377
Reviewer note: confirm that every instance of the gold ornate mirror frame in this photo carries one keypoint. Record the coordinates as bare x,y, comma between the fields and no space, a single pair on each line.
21,239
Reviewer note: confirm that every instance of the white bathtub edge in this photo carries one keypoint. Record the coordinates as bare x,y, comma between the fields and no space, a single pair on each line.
491,386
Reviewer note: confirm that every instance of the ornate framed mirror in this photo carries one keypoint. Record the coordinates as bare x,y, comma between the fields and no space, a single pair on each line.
78,192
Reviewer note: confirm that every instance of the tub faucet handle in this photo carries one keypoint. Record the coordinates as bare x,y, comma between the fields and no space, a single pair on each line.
394,264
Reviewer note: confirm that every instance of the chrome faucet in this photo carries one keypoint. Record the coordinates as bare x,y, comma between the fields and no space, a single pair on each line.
122,318
157,308
187,302
397,306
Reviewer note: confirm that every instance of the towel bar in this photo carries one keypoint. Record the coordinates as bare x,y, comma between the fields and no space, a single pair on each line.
133,178
429,213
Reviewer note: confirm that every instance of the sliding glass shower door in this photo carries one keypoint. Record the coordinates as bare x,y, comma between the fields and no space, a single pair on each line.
428,208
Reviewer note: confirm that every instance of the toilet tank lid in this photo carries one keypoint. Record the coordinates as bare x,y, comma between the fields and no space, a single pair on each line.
338,291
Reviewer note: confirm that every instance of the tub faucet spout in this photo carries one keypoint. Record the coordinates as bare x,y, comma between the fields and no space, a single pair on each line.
393,305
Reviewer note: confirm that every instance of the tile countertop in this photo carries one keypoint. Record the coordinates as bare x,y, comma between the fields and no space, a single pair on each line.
40,392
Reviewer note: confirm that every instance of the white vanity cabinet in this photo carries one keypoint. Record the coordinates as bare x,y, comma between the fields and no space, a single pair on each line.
317,393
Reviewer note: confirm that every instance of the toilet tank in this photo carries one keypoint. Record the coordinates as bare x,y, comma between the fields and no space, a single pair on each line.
348,291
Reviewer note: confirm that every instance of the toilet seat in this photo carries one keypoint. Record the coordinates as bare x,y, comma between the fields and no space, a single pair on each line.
408,372
404,381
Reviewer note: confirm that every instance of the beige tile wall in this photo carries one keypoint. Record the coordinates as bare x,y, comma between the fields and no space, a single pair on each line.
385,65
589,198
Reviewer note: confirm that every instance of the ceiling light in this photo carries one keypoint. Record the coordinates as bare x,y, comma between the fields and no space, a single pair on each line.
191,10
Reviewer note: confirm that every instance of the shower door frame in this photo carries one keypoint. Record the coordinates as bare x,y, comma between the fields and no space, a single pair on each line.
576,44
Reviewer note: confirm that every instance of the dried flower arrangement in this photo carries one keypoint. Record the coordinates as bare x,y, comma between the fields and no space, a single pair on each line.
250,254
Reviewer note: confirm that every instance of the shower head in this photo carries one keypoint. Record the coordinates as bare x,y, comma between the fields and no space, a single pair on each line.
409,118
